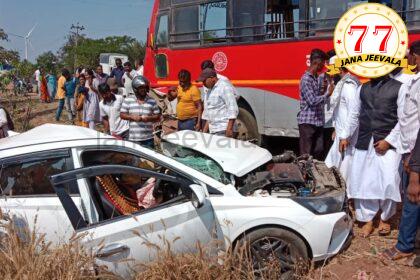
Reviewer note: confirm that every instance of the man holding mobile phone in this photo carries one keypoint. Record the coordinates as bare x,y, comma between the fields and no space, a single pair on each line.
311,118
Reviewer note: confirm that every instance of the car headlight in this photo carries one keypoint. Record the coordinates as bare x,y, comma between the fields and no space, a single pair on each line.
331,203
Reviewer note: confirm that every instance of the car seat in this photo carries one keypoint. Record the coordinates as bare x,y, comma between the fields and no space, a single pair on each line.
112,200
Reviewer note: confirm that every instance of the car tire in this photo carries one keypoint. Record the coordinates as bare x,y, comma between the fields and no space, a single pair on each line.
293,258
248,127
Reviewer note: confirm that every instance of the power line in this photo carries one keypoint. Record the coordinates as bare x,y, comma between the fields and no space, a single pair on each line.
78,28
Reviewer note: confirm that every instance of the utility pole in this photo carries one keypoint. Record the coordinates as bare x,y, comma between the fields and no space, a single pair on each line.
78,28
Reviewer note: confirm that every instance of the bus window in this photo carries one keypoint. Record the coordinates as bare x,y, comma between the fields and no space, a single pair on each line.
324,14
185,25
163,4
162,31
248,20
282,19
413,14
181,1
161,66
214,22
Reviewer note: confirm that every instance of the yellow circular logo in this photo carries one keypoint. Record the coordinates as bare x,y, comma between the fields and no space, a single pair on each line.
370,40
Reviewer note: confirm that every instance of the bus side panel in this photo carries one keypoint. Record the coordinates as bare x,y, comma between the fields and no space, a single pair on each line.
275,114
280,115
272,69
254,97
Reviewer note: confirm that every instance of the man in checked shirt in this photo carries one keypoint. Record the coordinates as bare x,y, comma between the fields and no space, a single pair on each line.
312,100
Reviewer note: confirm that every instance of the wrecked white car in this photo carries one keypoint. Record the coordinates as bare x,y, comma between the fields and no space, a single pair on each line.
199,188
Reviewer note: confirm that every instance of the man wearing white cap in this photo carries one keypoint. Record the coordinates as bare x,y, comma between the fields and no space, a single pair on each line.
345,106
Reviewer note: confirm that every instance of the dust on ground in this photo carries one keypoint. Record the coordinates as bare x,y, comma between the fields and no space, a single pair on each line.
360,261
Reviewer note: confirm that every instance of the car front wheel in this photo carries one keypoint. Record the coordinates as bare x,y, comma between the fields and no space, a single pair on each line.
275,250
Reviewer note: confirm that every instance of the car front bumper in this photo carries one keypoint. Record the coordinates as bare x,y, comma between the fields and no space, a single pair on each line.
329,234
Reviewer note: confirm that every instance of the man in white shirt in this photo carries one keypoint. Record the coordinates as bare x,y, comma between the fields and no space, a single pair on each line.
344,105
140,67
37,75
127,79
209,64
220,107
409,124
399,75
6,123
110,109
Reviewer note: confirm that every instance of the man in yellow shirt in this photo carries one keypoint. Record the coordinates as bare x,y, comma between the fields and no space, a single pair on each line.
61,92
189,107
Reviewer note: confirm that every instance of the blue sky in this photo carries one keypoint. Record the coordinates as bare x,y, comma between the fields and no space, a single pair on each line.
101,18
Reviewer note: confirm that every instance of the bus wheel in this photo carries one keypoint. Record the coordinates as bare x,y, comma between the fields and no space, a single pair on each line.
247,127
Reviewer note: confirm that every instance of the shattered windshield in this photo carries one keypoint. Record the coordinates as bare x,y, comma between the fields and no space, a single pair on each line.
195,160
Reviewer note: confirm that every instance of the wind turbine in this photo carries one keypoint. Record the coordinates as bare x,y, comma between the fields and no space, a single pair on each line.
27,39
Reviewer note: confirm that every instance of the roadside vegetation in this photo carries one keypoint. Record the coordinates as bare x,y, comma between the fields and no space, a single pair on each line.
26,255
71,55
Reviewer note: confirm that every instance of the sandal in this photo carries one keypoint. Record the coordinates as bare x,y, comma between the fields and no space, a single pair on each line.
393,254
367,229
416,261
384,228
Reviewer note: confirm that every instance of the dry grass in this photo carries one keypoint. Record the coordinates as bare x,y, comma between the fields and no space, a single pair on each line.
202,265
19,108
26,255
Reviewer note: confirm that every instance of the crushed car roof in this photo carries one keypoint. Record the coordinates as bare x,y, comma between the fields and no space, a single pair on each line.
234,156
48,133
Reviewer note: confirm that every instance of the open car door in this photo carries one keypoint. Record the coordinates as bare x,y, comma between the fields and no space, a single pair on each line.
181,219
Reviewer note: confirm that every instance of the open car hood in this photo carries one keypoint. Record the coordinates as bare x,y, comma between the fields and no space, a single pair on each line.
234,156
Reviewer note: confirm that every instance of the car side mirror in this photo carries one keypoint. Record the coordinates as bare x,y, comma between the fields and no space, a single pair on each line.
198,195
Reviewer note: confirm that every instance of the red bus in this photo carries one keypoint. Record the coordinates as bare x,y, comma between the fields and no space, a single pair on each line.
262,46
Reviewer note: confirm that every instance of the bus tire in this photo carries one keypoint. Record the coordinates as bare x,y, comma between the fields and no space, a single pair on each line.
247,127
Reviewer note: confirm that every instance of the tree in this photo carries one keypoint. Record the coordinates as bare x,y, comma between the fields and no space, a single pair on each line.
3,35
135,51
25,69
48,61
7,56
88,50
67,53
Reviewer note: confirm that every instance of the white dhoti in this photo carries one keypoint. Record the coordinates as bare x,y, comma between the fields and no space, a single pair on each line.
345,119
374,183
366,209
342,162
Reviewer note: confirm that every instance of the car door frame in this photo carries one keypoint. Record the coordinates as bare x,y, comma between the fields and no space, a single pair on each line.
40,201
198,223
76,218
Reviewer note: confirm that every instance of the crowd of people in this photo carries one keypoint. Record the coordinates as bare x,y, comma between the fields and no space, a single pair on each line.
375,143
122,103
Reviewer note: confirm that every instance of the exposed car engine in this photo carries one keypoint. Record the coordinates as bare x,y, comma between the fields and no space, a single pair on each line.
289,176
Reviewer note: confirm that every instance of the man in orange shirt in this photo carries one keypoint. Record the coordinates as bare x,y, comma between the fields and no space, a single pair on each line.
61,92
189,107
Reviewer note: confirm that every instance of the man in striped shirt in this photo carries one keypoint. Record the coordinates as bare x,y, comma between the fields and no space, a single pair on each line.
141,111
